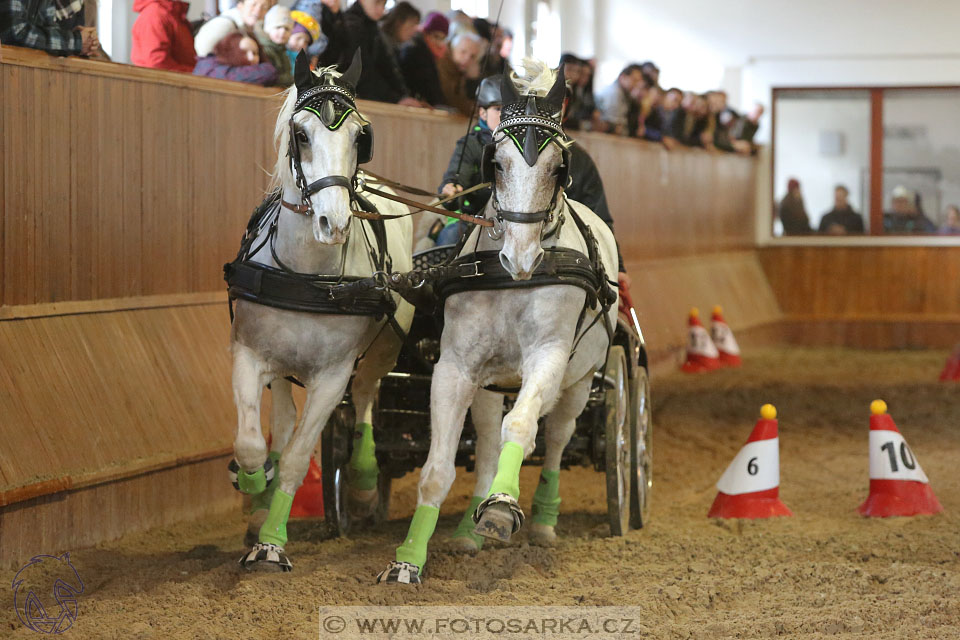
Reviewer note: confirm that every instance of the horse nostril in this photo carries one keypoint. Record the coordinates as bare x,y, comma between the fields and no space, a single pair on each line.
506,264
537,261
324,224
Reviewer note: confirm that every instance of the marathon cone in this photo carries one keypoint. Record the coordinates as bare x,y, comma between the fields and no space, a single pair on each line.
308,500
702,354
723,338
750,487
898,486
951,370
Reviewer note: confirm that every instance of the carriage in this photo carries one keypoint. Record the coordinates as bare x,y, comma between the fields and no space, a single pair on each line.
613,434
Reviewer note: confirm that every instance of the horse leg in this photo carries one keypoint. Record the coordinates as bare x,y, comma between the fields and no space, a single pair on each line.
486,412
322,398
250,468
380,358
499,516
558,430
451,392
283,419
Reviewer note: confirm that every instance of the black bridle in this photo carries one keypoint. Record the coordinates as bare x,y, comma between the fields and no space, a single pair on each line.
535,125
332,104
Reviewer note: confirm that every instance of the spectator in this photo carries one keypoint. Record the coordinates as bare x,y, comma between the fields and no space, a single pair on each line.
380,78
842,219
454,68
905,217
649,125
246,18
615,101
671,117
277,27
693,119
400,25
161,37
327,45
50,25
237,57
651,74
419,59
951,227
507,47
793,214
747,126
579,77
304,34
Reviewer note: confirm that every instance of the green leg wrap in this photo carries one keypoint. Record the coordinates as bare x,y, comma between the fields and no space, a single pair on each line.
465,528
507,479
262,500
414,548
546,499
363,461
274,530
252,483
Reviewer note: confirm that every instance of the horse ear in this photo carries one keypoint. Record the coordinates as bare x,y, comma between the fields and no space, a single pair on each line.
352,75
559,89
508,91
302,76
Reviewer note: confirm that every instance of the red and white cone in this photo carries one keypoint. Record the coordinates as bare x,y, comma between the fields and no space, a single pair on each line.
898,486
308,500
702,354
723,338
750,487
951,370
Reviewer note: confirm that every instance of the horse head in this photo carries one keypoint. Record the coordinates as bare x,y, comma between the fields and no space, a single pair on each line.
528,164
326,139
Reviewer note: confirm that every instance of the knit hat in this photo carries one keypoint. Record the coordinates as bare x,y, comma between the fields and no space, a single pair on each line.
435,21
307,23
277,16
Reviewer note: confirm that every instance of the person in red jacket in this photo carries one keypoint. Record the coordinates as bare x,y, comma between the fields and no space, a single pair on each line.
161,36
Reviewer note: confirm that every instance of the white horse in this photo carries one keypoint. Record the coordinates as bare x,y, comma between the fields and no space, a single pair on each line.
315,235
518,337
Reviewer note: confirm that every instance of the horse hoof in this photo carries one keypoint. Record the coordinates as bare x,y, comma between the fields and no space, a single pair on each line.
400,573
542,535
463,544
498,517
266,557
362,504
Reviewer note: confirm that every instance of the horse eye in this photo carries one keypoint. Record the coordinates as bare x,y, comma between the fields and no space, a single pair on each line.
302,137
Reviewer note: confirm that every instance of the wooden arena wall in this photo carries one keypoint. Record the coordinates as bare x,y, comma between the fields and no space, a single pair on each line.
871,297
123,192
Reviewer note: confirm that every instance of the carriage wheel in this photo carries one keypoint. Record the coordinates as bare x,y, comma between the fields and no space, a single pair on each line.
641,449
334,458
617,442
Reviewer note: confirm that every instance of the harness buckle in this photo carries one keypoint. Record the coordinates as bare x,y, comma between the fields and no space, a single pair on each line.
476,271
382,279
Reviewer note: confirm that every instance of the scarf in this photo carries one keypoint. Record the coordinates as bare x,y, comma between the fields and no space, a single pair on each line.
66,9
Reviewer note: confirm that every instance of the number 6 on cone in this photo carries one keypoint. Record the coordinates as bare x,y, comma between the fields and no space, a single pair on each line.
750,487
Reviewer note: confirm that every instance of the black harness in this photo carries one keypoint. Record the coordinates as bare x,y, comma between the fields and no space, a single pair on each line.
284,288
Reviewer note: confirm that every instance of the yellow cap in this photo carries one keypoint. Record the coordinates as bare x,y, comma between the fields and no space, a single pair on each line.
768,412
694,312
718,310
878,407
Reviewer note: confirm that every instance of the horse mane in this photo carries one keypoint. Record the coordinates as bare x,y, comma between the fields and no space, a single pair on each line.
537,78
282,176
